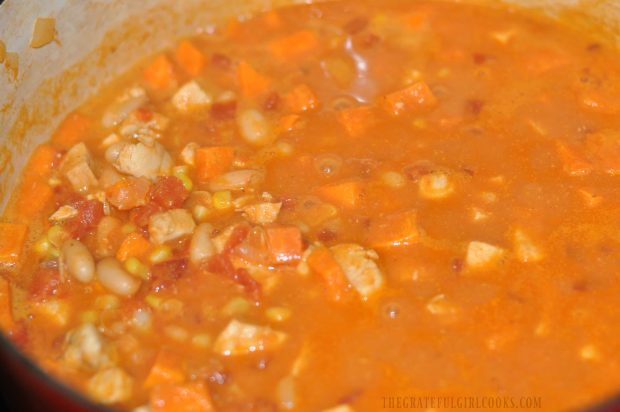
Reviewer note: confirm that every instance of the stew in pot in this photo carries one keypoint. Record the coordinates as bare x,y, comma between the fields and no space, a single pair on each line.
331,207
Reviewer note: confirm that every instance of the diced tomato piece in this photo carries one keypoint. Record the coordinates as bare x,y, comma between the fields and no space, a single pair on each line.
89,213
46,284
221,264
171,269
169,192
140,216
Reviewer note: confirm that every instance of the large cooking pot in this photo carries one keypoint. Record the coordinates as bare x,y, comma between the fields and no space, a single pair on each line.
95,41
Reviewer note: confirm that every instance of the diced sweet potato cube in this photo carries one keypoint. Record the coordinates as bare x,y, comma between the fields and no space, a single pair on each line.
301,99
322,262
294,45
414,98
167,369
251,82
213,161
189,58
134,245
399,229
357,120
12,237
285,244
159,74
188,397
346,194
32,197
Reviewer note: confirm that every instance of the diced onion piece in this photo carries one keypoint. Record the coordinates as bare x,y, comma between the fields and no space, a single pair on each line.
43,33
110,386
254,127
240,338
482,255
524,247
436,185
190,96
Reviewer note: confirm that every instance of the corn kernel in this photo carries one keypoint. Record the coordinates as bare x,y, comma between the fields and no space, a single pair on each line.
200,213
153,301
278,314
89,316
222,200
187,182
393,179
180,170
42,246
107,302
128,228
57,235
176,333
236,306
160,254
202,341
136,268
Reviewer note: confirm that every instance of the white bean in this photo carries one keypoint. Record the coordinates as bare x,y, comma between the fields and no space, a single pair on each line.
201,246
78,260
254,128
114,278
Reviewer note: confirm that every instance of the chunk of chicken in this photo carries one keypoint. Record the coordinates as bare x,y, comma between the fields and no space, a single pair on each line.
236,180
63,213
76,166
359,267
219,241
524,247
190,96
240,338
85,348
139,159
262,213
482,255
173,224
145,126
110,386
